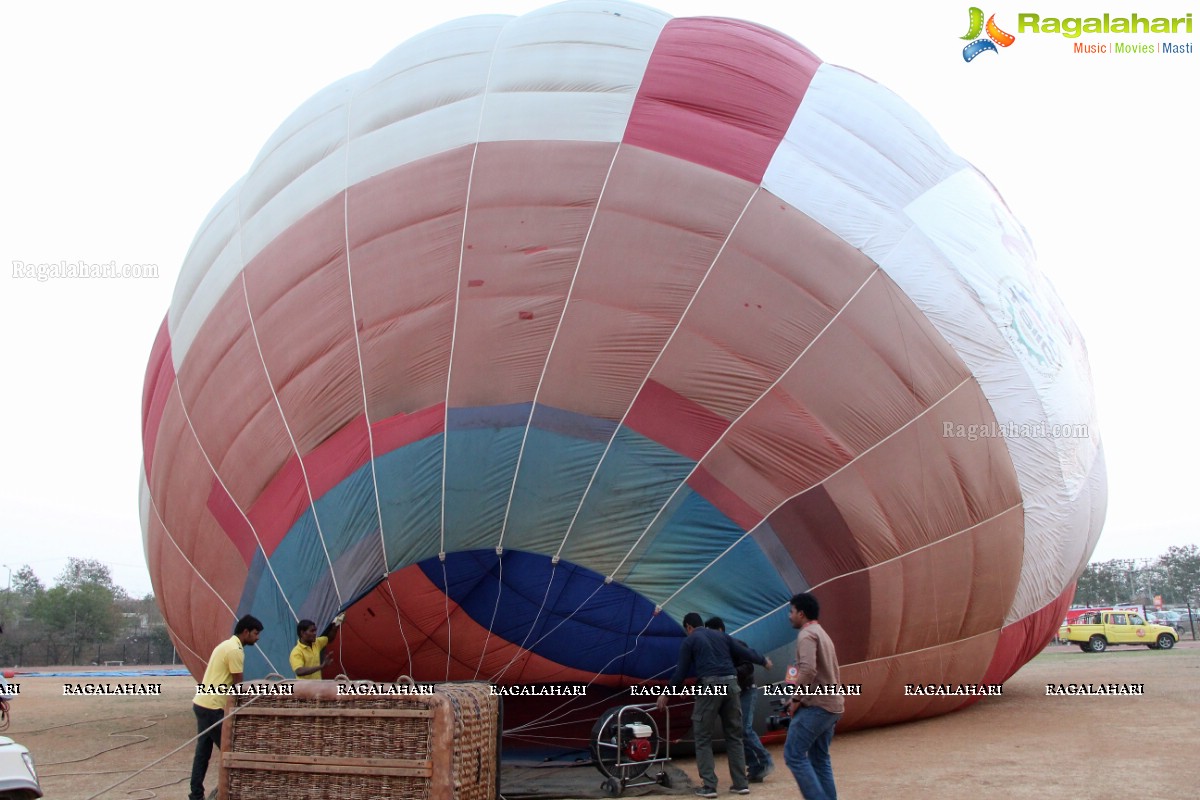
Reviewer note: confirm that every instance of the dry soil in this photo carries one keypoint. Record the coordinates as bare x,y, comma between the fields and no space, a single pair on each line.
1021,745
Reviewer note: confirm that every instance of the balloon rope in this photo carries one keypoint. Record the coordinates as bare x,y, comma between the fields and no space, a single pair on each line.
178,386
495,610
739,417
937,625
968,529
446,605
645,380
399,622
989,633
831,475
529,422
160,759
183,555
462,250
362,376
624,416
546,718
170,538
521,649
312,503
554,341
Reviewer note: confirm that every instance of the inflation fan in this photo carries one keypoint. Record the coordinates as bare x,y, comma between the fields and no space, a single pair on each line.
625,744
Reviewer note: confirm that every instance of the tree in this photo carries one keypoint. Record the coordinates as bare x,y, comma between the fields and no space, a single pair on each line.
1180,568
1104,583
81,609
15,612
81,572
25,583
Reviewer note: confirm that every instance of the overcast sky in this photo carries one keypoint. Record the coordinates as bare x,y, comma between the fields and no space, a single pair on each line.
124,123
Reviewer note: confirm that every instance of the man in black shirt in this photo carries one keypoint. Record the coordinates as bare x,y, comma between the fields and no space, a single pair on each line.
711,653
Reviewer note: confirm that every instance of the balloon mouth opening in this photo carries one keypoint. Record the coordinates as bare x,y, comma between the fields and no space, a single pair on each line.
514,618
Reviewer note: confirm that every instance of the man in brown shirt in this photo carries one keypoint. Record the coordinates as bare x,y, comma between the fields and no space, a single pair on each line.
814,713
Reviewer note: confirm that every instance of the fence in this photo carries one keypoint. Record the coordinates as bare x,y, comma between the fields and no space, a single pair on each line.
127,653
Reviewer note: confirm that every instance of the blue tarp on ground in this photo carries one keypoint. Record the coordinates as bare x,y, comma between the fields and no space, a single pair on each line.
107,673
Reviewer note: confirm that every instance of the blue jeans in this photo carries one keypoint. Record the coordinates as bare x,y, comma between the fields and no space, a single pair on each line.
806,752
757,757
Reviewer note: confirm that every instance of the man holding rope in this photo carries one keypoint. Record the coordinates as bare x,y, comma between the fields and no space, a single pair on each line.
225,667
308,657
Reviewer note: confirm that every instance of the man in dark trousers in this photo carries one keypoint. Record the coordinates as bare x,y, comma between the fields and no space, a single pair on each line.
224,671
806,750
711,654
759,763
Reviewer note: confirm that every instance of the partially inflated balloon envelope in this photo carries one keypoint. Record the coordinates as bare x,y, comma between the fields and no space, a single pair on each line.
546,330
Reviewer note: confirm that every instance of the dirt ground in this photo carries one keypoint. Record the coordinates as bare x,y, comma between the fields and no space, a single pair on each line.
1021,745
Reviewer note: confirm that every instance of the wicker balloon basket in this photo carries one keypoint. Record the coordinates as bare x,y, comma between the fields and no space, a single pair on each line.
323,743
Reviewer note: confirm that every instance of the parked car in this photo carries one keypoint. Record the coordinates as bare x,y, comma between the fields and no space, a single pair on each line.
1171,618
18,777
1096,631
1185,617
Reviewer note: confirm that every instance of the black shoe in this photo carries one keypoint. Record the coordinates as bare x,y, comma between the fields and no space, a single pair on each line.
705,791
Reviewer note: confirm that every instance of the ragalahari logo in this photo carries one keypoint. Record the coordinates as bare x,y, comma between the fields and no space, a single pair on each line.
995,36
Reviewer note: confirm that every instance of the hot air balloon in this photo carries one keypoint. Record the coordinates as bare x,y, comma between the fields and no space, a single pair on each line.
548,329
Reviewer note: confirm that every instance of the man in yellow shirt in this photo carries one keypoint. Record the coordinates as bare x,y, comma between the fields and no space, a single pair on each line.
225,667
306,659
